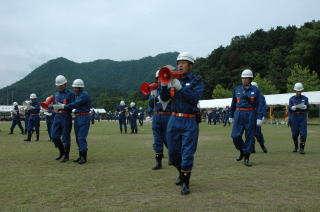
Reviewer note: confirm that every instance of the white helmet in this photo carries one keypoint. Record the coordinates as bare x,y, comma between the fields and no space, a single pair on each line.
60,80
157,73
122,103
247,74
185,56
33,96
15,104
78,83
255,84
132,104
298,86
140,108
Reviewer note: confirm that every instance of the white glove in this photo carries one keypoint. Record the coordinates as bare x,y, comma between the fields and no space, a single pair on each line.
231,120
175,83
138,114
153,93
57,107
303,107
259,122
293,108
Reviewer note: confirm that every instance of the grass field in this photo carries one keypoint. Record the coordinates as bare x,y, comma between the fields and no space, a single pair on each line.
118,175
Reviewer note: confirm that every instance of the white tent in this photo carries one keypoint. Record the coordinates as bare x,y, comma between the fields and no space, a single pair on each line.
273,99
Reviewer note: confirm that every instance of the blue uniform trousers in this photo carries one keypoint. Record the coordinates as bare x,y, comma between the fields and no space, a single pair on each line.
133,124
16,121
244,121
49,121
182,138
81,129
159,129
61,128
123,121
298,123
259,136
34,123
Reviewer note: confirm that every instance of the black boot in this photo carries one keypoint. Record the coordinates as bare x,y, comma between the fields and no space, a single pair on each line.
179,179
83,158
185,183
37,137
301,151
11,132
78,159
61,151
29,136
65,157
253,148
158,165
246,160
264,148
240,156
295,149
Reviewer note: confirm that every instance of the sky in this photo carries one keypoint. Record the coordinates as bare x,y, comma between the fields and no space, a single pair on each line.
35,31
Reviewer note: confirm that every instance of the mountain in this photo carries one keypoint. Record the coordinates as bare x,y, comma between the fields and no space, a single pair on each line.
108,77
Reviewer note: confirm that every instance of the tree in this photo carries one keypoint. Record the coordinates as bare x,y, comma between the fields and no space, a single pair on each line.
306,51
265,85
309,79
219,92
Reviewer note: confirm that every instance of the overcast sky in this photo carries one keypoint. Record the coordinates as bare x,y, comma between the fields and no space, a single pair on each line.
35,31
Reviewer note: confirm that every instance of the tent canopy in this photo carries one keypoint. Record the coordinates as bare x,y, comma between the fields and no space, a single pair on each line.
272,99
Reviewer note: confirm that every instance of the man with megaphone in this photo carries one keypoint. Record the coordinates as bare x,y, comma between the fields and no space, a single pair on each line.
184,91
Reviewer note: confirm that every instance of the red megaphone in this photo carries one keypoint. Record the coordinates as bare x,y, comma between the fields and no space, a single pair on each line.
146,88
166,74
45,104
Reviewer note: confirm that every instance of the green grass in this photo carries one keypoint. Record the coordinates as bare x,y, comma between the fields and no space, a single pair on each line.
118,176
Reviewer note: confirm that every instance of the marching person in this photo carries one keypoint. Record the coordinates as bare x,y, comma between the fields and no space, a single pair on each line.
298,108
82,104
226,112
141,116
34,118
247,113
93,116
133,115
122,110
62,122
161,114
15,114
258,134
183,126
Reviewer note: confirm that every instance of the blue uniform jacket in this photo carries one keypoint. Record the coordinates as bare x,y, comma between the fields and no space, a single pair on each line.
82,103
16,115
263,105
36,109
294,100
64,97
133,113
185,100
122,110
155,104
247,98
